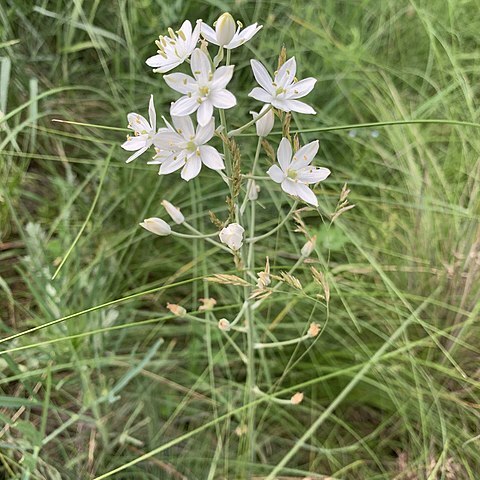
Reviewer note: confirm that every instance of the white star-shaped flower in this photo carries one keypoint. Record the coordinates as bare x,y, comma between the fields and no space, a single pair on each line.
295,174
145,132
202,92
284,90
183,146
225,35
173,50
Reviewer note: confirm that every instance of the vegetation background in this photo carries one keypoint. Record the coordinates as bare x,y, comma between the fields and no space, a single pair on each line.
89,393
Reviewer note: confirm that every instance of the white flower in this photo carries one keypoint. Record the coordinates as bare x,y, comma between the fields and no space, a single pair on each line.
265,124
181,145
203,92
252,190
145,133
232,235
156,226
296,174
284,91
224,34
307,249
175,49
175,214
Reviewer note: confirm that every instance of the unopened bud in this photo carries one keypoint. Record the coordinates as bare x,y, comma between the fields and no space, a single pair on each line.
297,398
224,325
156,226
225,29
307,249
208,304
174,212
232,235
265,124
314,329
177,310
252,190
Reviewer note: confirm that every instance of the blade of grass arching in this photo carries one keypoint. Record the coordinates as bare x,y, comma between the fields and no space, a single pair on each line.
343,394
33,112
87,219
5,67
133,372
43,422
353,126
97,307
93,125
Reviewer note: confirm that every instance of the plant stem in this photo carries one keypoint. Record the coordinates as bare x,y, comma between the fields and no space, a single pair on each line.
237,131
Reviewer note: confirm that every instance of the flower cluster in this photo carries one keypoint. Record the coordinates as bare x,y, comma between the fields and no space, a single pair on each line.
184,145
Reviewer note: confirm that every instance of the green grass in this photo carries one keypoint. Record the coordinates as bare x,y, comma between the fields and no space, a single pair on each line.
99,374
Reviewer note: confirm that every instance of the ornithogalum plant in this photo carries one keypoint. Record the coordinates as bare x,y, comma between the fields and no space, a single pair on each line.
201,102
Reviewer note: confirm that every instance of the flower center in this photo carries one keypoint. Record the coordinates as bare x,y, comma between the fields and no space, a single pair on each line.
204,91
292,174
191,147
280,90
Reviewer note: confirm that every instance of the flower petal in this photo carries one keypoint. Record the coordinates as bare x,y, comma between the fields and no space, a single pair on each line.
223,99
183,106
284,154
200,65
299,190
313,174
192,168
305,155
184,126
262,76
135,143
186,28
138,123
221,77
261,95
209,34
180,82
152,114
286,73
172,164
276,174
211,158
204,113
195,36
136,154
205,133
306,194
301,88
300,107
241,37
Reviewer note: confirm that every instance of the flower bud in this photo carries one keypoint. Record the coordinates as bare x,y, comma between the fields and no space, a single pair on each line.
307,249
225,29
252,190
314,329
208,304
156,226
174,212
224,325
177,310
297,398
265,124
232,235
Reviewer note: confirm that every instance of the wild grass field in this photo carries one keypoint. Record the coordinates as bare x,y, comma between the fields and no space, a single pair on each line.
99,380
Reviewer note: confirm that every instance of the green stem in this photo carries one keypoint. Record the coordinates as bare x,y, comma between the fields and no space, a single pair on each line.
237,131
252,240
380,124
